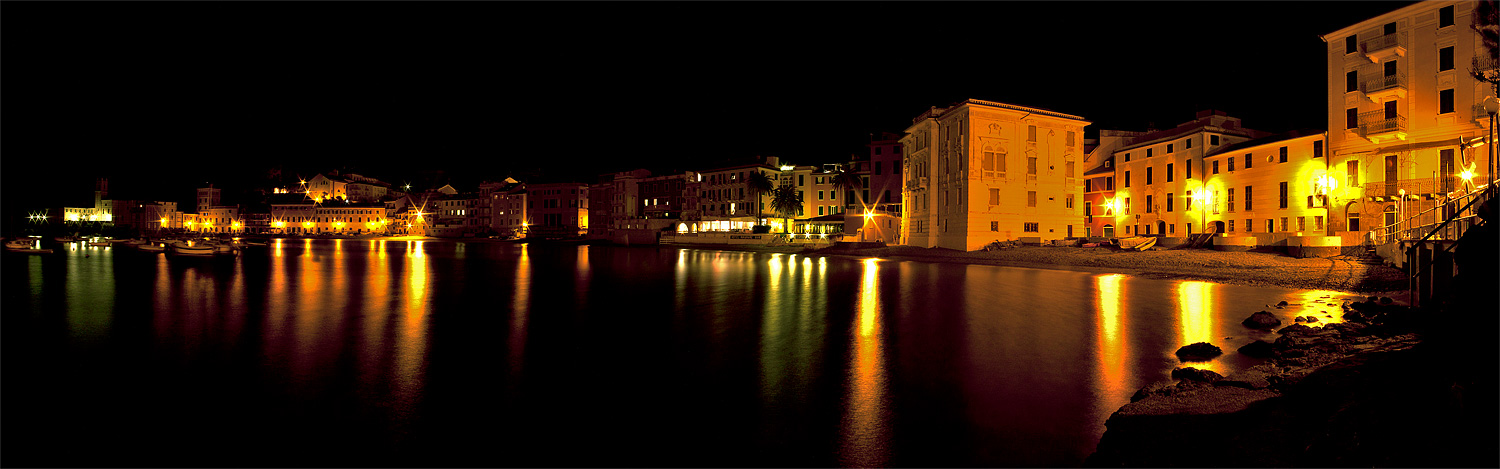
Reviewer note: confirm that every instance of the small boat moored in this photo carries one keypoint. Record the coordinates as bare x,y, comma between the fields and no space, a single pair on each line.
1136,243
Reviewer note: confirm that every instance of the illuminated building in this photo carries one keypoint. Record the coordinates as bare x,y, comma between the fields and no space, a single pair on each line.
981,171
1403,111
1270,189
464,215
725,196
879,195
508,208
297,215
1158,171
557,210
102,211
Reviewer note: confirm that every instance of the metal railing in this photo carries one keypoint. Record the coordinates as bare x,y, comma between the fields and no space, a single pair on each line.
1383,83
1376,122
1447,220
1378,41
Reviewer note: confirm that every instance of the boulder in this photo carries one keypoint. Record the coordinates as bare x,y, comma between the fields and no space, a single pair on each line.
1194,374
1261,320
1257,349
1312,319
1201,351
1295,329
1281,304
1299,319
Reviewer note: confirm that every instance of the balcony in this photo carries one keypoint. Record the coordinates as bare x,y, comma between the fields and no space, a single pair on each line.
1380,47
1376,127
1380,89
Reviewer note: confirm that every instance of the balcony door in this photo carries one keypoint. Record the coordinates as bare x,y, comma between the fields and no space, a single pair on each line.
1390,174
1390,109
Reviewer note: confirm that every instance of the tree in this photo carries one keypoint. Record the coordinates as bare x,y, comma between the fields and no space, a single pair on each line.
759,183
848,182
785,201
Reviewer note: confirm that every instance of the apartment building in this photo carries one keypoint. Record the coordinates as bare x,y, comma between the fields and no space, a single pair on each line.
557,210
1404,113
1099,180
980,171
728,202
876,216
1269,189
1158,173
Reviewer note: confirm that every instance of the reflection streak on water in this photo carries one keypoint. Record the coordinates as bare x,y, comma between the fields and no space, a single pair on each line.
864,436
520,311
1111,350
411,343
773,359
1195,306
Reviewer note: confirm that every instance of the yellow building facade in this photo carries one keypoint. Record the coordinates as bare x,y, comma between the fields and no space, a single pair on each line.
1404,113
1156,176
982,171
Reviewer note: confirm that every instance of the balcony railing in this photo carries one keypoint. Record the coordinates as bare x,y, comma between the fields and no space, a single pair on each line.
1376,122
1383,83
1378,42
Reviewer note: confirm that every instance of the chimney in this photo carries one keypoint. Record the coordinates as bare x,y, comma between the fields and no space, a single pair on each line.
773,161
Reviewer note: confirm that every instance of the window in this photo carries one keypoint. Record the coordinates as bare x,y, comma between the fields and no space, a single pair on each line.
820,195
1351,118
1229,203
1148,203
1088,209
1070,138
1148,152
1187,167
1351,44
820,210
1169,172
1031,165
1172,229
1270,225
994,196
1445,169
1249,227
1230,161
1127,157
1032,227
1445,16
1030,198
1187,144
1127,179
1031,133
1248,161
1390,68
1445,59
1390,28
1283,224
1445,101
1301,223
1109,183
994,226
1231,225
1283,195
1353,221
1351,81
1283,155
1352,171
1213,140
1127,205
1318,222
1187,201
1148,175
1169,148
877,163
1088,185
1169,201
1247,202
1068,201
1216,167
1317,149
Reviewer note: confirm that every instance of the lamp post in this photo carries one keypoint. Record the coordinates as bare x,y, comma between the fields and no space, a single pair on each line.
1491,106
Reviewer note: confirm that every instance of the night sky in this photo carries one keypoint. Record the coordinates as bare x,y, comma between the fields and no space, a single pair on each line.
164,97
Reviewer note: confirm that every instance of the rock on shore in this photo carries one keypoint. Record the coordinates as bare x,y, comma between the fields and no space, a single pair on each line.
1346,394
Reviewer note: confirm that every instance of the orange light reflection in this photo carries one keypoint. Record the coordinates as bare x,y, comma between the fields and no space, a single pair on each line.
1112,349
1195,304
865,434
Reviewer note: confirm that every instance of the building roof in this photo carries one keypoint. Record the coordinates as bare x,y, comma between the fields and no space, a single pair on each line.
1294,134
1103,168
1153,138
937,111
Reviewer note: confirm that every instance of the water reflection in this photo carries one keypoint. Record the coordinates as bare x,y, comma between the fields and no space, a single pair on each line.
1112,350
865,433
1195,309
520,312
411,344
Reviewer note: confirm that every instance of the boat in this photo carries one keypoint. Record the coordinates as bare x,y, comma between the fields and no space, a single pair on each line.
152,248
24,246
1136,243
199,250
98,243
64,239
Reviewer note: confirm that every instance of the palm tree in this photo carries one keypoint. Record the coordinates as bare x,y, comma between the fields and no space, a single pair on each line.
759,183
848,182
785,201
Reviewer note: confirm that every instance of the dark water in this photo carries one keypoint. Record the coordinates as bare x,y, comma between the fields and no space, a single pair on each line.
428,354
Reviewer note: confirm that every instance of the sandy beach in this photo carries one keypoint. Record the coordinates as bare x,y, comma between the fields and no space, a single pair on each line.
1343,274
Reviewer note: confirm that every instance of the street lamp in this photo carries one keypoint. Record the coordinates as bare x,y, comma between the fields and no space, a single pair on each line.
1491,106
